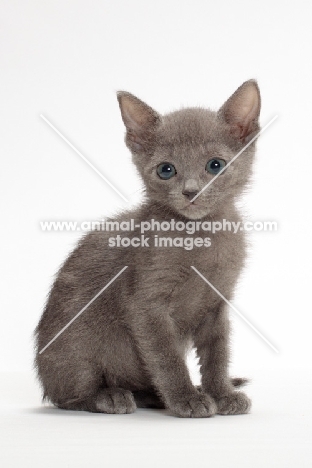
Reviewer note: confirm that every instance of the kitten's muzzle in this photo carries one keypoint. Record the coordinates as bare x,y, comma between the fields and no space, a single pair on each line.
189,194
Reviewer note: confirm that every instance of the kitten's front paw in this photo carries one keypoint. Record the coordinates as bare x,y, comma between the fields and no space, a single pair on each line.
234,403
199,405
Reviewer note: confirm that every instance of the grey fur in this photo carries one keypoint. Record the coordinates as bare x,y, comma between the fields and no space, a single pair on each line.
128,348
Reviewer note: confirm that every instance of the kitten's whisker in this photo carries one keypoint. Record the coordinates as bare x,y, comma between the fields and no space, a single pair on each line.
235,310
235,157
141,189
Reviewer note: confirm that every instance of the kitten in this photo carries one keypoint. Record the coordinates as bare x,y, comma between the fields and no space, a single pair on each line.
128,348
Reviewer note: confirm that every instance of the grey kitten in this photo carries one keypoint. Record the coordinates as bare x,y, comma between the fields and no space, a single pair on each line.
128,348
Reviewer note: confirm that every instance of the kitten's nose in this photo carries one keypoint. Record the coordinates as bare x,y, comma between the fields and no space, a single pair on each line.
189,194
190,189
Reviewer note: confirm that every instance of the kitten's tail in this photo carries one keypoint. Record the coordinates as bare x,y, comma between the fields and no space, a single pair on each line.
236,382
239,381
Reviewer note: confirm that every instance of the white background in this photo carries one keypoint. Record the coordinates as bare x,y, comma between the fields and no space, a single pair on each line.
66,60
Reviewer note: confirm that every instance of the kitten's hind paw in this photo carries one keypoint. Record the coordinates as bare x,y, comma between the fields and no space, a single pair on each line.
234,403
199,405
115,401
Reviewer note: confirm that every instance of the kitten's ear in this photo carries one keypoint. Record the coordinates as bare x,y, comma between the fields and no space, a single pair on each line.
241,111
140,121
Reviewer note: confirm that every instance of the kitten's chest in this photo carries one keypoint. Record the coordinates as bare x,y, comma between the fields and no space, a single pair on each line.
222,258
177,276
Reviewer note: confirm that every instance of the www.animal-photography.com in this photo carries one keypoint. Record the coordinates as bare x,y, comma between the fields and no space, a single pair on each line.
156,234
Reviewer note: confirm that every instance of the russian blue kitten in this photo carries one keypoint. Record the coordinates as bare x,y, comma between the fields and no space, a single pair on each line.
128,348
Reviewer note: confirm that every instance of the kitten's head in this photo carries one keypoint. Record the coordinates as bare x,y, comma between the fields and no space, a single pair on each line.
178,154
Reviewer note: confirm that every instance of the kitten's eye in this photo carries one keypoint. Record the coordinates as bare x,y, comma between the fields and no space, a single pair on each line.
166,171
215,165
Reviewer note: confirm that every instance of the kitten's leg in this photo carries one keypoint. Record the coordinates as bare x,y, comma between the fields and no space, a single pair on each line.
212,343
80,386
107,400
115,401
156,340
